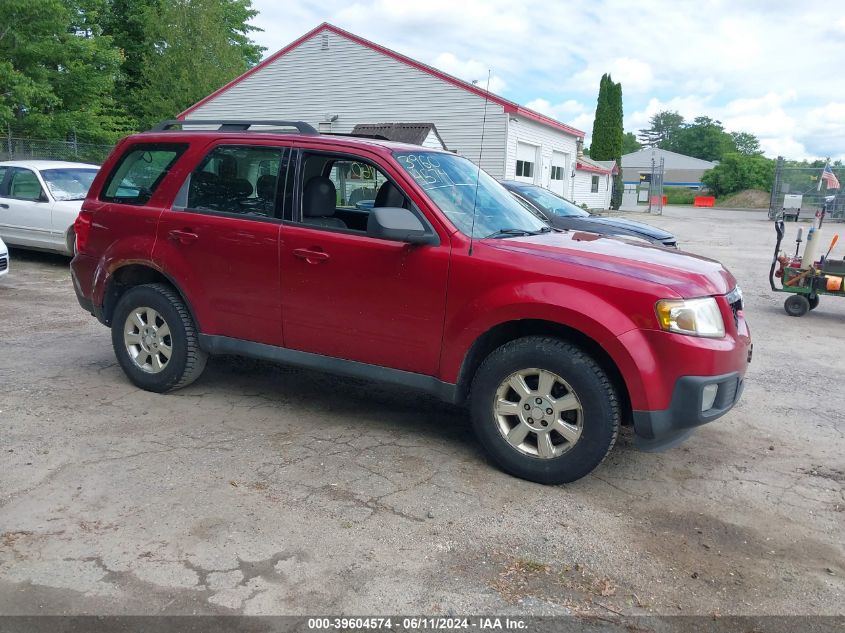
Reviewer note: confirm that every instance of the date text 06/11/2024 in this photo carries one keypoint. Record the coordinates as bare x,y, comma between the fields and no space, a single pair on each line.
416,623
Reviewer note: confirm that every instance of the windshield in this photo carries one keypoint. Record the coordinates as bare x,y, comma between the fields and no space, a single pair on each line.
69,183
552,203
452,182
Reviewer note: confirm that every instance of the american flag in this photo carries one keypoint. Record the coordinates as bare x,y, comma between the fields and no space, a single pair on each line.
829,178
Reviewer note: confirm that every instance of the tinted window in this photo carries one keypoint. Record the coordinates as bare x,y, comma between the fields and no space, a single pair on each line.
69,184
24,185
241,180
140,172
3,171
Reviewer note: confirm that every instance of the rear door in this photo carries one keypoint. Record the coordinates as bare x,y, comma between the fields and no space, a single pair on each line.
220,240
25,210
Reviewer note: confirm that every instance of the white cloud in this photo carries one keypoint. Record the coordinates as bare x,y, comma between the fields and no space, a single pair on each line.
469,70
768,68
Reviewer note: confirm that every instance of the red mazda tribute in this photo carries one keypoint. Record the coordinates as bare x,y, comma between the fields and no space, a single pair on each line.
406,265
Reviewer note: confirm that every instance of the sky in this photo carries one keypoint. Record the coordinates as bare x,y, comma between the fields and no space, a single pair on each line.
770,67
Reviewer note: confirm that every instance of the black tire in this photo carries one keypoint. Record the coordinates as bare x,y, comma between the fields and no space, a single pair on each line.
599,402
187,360
813,301
797,305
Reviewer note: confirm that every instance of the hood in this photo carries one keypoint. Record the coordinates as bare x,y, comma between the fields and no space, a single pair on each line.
634,227
686,274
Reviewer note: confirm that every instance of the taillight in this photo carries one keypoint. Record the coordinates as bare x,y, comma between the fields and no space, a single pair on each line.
82,229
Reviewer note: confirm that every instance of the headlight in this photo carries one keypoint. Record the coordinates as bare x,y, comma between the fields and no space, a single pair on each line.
696,317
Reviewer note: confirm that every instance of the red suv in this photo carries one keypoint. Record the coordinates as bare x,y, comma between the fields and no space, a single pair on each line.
406,265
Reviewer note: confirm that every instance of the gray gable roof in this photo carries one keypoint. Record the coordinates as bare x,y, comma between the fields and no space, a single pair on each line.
672,160
413,133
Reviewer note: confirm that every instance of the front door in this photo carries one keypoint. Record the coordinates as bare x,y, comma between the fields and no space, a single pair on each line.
350,296
558,175
25,210
220,239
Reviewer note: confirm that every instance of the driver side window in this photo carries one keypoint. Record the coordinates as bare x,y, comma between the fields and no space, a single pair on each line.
24,185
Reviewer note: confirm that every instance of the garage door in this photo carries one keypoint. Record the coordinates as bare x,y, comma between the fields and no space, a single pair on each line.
558,177
526,162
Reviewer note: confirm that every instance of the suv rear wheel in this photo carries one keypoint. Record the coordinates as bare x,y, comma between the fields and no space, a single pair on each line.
544,410
155,339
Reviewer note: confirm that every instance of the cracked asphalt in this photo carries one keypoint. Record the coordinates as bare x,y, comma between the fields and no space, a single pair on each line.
263,489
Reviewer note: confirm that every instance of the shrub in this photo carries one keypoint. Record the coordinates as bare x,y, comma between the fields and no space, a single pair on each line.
680,195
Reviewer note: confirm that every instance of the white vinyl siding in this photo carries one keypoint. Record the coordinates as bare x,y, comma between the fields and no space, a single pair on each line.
329,75
555,147
583,190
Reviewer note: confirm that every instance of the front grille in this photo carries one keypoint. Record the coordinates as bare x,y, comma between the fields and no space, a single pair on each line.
4,263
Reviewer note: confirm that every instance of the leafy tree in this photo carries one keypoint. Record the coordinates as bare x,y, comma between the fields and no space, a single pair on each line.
704,138
736,172
607,136
746,143
57,71
179,51
662,129
630,143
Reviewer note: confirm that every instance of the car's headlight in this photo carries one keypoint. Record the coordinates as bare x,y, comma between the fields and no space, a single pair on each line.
696,317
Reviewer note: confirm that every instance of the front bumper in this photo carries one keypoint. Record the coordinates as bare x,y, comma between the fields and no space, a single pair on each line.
659,430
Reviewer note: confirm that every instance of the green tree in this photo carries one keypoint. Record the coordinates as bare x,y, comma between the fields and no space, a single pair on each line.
737,172
746,143
179,51
662,129
57,71
630,143
704,138
606,143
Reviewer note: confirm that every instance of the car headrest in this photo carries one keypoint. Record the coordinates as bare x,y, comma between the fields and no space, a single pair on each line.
265,187
319,198
389,196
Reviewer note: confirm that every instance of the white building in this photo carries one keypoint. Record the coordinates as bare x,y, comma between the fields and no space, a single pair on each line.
593,182
335,80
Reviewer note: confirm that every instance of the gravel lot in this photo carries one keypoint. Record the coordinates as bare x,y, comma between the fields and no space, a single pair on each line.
267,490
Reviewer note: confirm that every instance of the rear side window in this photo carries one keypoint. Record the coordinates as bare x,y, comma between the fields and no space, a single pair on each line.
140,171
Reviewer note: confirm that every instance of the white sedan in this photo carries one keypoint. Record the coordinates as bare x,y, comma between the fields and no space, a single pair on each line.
39,202
4,259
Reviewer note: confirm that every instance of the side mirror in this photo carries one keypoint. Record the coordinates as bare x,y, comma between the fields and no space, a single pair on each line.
400,225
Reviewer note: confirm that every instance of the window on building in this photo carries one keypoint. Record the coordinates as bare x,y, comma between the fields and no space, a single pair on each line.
595,185
557,172
524,169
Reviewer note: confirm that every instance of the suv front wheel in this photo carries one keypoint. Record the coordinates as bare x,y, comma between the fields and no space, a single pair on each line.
544,410
155,339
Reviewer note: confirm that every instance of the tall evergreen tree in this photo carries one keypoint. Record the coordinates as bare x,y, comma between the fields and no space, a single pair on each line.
608,132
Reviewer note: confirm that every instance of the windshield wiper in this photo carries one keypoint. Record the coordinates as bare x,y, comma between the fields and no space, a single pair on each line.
517,232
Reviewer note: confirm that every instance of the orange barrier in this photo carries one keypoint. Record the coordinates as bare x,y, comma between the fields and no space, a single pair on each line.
654,200
704,201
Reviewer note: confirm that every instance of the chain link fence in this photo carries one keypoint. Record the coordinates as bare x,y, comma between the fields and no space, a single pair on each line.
643,187
15,148
800,192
